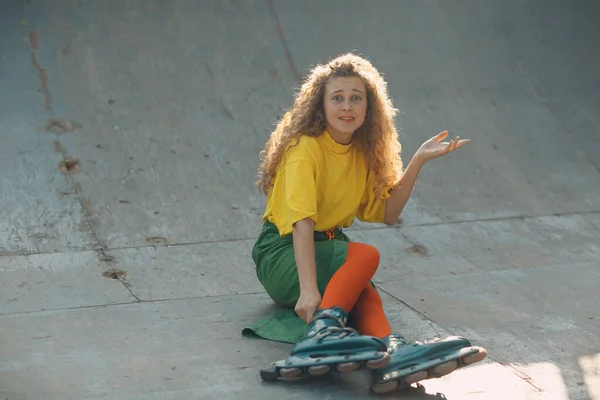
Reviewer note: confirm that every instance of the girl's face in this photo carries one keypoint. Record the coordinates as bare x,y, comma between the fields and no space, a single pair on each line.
345,104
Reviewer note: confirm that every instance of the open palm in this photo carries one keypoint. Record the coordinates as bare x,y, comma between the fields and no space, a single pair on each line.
434,147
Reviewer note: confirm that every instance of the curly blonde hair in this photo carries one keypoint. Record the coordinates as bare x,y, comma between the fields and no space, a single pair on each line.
377,137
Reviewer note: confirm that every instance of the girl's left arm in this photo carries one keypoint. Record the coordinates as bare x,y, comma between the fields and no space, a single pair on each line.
401,192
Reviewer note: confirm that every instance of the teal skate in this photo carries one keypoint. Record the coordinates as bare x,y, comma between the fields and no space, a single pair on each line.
414,362
327,346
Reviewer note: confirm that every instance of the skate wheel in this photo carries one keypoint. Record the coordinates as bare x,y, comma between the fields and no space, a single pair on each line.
290,372
269,374
474,358
348,367
445,369
380,363
319,370
414,378
386,387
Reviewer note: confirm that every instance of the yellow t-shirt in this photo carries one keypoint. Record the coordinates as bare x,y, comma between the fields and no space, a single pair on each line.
325,181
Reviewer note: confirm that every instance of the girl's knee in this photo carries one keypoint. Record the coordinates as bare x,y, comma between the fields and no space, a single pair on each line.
368,254
373,254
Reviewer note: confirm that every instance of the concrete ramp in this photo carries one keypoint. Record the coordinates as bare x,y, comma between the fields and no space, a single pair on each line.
130,134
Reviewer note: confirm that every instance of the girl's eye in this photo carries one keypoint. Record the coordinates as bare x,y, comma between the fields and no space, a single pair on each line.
354,98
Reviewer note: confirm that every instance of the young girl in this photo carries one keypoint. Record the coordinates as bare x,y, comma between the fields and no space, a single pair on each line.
334,157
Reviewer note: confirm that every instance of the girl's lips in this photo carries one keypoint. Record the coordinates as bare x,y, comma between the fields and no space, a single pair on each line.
346,119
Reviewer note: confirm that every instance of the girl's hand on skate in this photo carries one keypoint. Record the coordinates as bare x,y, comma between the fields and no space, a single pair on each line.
307,304
434,147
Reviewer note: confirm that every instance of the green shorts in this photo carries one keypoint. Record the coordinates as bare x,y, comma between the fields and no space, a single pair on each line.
276,270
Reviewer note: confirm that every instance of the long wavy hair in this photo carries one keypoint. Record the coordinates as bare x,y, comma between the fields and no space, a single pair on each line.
377,137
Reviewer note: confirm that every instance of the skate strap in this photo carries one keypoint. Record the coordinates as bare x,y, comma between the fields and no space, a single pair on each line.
335,313
334,330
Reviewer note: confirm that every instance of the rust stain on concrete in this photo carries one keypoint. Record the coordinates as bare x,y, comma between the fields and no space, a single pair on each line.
34,38
43,80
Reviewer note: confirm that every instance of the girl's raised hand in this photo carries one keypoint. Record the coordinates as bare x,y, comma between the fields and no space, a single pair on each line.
434,147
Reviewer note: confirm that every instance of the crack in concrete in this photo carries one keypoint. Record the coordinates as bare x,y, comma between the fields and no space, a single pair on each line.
131,302
286,49
104,258
506,218
398,228
85,204
34,41
520,374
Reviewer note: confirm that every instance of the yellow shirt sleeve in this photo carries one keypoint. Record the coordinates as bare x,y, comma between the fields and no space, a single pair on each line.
372,207
300,191
294,195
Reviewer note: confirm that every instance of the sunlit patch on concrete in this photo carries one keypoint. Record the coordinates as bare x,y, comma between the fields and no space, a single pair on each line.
545,376
492,381
590,369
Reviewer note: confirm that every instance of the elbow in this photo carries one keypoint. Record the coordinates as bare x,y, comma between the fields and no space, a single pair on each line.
391,218
389,222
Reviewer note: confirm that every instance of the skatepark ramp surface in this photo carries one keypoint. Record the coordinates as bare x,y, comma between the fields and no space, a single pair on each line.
130,133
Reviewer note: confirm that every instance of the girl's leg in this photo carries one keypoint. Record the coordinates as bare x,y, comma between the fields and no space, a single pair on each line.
328,343
350,289
368,315
350,280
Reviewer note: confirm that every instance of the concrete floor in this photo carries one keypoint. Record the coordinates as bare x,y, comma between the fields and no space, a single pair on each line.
125,272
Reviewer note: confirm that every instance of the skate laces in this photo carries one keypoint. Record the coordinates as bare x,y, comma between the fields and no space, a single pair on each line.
340,332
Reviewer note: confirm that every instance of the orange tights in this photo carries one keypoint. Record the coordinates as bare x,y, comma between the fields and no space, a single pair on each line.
350,289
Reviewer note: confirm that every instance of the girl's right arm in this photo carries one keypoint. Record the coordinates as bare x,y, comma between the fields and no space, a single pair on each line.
304,251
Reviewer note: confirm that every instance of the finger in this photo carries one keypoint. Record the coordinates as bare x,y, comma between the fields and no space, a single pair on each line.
454,143
300,313
452,146
462,142
306,317
441,136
